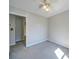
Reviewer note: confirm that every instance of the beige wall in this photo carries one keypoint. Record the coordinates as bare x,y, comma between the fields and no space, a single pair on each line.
59,29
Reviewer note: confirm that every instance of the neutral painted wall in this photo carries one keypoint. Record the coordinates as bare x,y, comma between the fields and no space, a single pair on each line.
38,30
36,27
59,29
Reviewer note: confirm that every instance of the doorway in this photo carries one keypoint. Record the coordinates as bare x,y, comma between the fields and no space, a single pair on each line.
17,25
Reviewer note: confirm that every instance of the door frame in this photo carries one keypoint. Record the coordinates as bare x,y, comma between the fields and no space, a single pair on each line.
26,22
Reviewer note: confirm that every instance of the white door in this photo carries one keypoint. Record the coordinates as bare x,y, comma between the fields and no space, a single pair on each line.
12,29
18,29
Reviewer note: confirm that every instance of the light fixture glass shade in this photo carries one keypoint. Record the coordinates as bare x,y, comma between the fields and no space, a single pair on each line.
45,5
46,8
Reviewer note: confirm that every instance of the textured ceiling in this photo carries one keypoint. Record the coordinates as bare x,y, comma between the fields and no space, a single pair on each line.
57,6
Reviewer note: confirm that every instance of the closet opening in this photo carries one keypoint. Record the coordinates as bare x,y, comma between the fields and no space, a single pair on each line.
17,26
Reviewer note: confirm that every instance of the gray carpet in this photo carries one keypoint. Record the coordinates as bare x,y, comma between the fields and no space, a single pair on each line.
44,50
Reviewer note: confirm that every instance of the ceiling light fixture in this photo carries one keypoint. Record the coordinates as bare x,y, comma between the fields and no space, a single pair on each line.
45,4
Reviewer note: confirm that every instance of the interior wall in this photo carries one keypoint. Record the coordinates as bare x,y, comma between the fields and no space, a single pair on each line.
36,27
39,29
59,29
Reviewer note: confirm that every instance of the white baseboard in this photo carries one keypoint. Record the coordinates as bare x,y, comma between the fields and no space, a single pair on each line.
60,43
29,45
11,44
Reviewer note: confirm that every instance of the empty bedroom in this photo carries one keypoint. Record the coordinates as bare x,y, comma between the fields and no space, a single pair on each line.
38,29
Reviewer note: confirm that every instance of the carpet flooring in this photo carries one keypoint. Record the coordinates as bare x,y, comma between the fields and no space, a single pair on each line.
44,50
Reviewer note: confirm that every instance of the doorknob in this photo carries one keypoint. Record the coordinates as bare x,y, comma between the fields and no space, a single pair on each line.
11,29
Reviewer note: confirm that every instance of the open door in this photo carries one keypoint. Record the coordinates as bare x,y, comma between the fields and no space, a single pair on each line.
11,30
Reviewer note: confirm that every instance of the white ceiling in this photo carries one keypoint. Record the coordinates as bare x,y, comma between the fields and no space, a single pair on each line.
58,6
